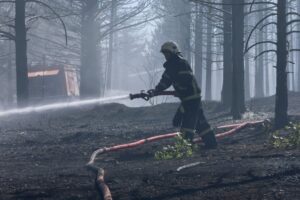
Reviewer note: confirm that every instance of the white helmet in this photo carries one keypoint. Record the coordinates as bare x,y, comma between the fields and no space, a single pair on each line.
170,47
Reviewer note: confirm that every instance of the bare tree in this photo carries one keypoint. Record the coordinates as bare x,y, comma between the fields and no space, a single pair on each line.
20,38
238,94
281,107
199,43
90,69
208,90
259,62
226,96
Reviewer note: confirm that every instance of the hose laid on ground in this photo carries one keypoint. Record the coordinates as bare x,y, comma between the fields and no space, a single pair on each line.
235,128
101,185
100,172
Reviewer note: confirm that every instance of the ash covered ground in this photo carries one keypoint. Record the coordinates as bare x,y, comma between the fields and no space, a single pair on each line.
43,156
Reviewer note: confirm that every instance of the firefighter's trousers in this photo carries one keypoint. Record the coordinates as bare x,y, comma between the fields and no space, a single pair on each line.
191,119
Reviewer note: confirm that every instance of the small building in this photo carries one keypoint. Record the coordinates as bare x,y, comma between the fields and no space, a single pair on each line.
52,83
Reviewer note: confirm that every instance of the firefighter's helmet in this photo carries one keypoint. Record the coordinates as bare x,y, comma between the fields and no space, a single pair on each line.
170,47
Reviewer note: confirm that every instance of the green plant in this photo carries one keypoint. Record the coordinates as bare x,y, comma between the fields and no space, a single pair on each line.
182,148
289,137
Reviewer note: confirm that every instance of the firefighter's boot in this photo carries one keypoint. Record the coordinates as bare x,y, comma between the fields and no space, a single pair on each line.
209,140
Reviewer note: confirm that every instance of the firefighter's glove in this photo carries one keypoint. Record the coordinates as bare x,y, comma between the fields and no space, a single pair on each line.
151,92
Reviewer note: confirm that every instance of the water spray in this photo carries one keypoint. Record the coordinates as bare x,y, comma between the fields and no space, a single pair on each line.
54,106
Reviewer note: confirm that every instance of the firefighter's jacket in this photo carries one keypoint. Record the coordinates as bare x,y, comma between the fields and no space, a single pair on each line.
179,74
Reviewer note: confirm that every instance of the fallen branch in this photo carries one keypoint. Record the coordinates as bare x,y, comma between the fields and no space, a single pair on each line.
189,166
236,125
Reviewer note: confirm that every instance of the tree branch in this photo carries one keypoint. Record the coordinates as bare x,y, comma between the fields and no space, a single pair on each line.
291,50
264,52
8,1
260,10
7,35
230,4
258,43
255,27
251,6
292,21
291,32
293,13
55,13
267,24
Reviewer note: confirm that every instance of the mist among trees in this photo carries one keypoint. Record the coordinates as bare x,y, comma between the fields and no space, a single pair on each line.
239,50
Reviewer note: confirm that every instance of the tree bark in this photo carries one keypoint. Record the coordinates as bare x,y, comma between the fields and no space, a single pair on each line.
298,53
267,66
109,74
227,56
247,77
281,105
184,28
238,93
259,63
90,71
208,90
199,45
10,78
21,54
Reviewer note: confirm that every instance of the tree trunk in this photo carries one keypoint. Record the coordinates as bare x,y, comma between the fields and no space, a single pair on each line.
247,77
247,69
291,68
227,56
90,71
184,28
267,78
208,90
259,63
238,93
199,45
298,53
281,105
109,74
266,61
10,78
21,54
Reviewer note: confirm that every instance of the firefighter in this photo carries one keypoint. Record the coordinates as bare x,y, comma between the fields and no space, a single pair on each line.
189,116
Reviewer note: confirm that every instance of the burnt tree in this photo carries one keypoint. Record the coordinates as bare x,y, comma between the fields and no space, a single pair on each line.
259,62
199,44
109,74
21,54
298,54
238,94
227,55
90,71
208,89
281,105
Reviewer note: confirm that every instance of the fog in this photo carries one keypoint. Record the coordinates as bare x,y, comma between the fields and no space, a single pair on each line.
96,49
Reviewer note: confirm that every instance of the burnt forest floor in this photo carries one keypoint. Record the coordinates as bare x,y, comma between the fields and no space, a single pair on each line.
42,156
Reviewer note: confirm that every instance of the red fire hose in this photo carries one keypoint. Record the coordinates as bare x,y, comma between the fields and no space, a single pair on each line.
235,128
100,177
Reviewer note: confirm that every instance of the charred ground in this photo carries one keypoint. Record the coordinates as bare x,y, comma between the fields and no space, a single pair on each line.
42,156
